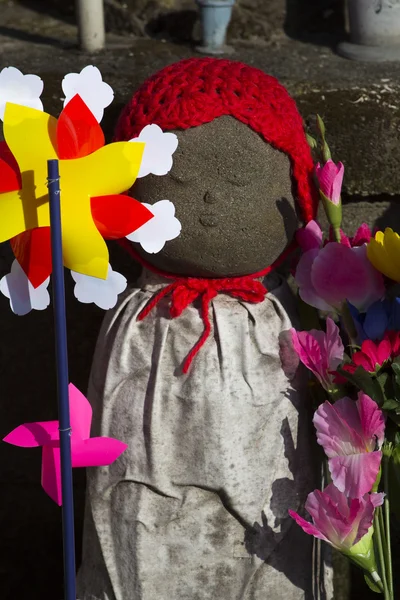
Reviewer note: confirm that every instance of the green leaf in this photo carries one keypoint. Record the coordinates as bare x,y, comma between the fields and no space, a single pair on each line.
312,142
394,481
321,127
371,583
326,152
391,405
366,382
396,371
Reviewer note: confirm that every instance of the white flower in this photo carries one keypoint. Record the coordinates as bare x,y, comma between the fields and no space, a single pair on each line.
102,292
164,226
158,151
21,293
20,89
89,84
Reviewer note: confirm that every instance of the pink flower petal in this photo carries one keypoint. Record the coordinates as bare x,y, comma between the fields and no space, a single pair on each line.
347,409
80,413
330,179
339,520
362,236
362,514
338,499
339,273
355,474
377,499
30,435
333,344
384,351
327,517
372,421
374,288
334,434
307,527
308,349
337,183
304,281
51,473
310,236
361,359
96,452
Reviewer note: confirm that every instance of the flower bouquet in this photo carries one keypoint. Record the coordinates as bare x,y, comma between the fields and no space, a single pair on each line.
347,285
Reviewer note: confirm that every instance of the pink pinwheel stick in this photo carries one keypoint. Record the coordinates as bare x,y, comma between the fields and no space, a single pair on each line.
86,451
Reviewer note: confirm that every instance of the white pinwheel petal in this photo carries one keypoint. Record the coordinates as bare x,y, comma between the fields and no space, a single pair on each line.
89,84
154,234
102,292
20,89
21,293
158,151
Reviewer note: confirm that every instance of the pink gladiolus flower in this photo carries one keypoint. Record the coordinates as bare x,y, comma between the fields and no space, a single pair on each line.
330,179
330,275
338,520
350,433
371,356
320,352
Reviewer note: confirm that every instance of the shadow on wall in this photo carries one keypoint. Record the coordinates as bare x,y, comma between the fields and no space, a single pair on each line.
391,217
320,22
316,21
31,563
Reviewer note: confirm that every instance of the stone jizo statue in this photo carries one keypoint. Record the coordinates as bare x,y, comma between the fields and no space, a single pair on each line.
193,368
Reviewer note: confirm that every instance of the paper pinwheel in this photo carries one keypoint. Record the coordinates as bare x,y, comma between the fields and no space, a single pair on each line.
93,176
85,451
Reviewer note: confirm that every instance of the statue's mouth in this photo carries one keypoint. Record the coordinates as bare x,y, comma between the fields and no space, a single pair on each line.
209,220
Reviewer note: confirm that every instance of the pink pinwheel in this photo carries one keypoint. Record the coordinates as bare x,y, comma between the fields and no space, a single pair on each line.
330,179
86,451
338,520
320,352
329,275
351,434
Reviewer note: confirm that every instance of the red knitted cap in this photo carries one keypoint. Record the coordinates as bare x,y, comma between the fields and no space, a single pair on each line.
196,91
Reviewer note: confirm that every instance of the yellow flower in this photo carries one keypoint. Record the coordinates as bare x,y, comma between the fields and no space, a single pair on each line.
31,137
384,253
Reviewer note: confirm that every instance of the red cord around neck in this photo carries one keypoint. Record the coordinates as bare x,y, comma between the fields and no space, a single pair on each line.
185,290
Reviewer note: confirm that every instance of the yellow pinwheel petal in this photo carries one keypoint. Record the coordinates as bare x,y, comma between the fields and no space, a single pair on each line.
30,135
110,170
84,249
384,253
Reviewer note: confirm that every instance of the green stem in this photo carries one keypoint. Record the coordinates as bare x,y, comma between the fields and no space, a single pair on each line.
349,324
387,527
378,537
383,535
336,234
375,577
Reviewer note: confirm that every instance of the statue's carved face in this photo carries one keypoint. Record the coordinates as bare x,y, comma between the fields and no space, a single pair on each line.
233,195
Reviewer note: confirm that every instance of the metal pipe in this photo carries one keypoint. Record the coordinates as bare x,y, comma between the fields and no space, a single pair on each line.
91,25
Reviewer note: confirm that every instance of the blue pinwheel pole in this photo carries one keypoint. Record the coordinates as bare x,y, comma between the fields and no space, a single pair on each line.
62,381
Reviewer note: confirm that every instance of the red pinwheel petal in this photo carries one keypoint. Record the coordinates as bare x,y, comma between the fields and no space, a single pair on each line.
32,249
78,132
10,176
117,216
